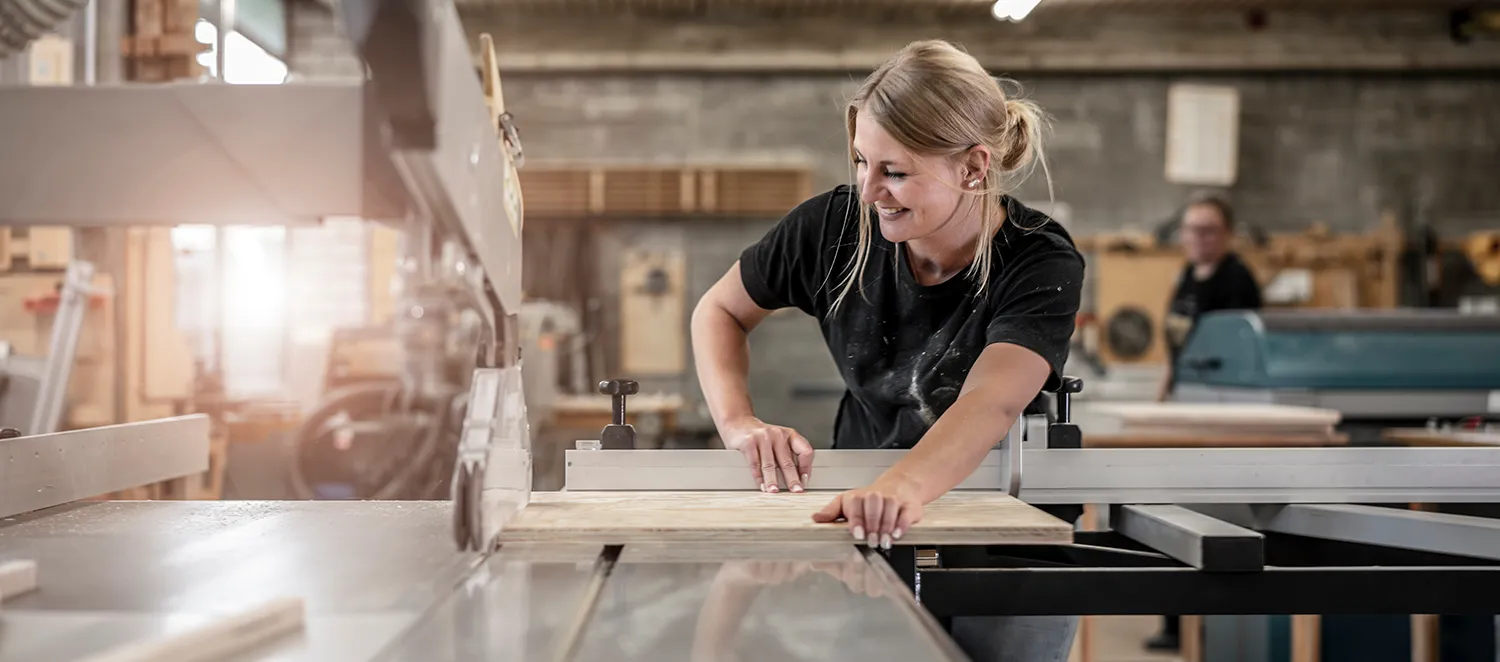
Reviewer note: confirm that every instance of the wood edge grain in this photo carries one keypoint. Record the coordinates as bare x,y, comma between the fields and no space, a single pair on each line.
1047,536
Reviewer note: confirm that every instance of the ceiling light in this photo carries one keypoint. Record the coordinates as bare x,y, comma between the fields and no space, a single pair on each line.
1013,10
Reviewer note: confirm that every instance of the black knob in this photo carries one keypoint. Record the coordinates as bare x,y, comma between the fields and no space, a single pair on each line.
9,433
1065,390
617,389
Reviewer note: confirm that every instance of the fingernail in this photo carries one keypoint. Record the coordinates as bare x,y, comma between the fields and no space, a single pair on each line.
873,540
885,541
859,533
896,534
772,489
804,478
796,488
762,487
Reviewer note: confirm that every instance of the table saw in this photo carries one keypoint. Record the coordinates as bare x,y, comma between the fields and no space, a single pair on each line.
646,554
1379,369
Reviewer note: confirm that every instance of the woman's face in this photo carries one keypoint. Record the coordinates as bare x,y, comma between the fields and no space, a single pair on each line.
914,196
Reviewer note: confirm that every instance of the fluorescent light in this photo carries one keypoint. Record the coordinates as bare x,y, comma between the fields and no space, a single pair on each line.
1013,10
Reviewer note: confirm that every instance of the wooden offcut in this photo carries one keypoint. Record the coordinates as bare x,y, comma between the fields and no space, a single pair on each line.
622,518
1193,419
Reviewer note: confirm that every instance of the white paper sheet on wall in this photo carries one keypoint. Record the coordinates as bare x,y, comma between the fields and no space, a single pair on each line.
1202,134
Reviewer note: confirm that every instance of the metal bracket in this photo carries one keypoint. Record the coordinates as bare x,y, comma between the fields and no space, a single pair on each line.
1010,456
492,477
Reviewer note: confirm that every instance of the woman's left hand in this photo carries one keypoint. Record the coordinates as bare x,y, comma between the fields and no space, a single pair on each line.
877,514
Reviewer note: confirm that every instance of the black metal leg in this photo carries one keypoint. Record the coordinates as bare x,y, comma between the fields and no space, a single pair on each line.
903,559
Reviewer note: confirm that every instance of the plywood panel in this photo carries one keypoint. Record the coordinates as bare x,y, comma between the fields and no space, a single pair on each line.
653,312
49,247
616,518
1143,415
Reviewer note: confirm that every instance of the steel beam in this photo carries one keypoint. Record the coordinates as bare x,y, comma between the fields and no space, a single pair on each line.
234,154
1201,541
1441,533
45,470
1104,476
1113,591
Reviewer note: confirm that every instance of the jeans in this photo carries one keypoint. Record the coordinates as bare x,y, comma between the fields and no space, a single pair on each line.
1015,638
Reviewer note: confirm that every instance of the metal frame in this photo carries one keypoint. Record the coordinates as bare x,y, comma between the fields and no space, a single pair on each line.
45,470
1257,552
72,306
1170,567
1439,533
1103,475
1193,538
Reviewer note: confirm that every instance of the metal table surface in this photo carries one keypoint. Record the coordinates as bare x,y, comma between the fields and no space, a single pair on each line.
383,581
782,603
113,572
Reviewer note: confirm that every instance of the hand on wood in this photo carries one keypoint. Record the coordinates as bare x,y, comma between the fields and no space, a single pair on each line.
878,514
769,449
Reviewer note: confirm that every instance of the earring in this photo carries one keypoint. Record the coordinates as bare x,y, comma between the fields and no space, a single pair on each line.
973,183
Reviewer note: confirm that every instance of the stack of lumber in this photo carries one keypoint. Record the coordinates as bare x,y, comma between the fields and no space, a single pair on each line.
1210,424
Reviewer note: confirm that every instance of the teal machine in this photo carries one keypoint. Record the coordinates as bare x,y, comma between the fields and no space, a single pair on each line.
1379,368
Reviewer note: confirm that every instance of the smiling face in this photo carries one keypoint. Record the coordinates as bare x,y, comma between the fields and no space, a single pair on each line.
915,196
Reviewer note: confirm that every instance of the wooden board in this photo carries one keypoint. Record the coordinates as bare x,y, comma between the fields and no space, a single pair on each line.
1154,415
618,518
1182,439
1425,437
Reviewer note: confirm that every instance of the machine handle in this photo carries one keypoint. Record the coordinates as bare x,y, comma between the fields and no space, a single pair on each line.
1066,387
617,389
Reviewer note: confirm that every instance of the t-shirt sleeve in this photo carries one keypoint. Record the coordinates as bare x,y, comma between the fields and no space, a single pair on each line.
1249,295
1037,308
786,267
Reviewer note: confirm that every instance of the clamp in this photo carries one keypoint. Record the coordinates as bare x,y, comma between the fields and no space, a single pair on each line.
618,435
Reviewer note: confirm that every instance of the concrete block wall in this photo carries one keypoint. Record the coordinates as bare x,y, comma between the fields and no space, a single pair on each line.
1335,149
1332,147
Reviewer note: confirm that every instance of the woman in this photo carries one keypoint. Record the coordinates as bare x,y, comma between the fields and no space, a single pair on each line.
947,304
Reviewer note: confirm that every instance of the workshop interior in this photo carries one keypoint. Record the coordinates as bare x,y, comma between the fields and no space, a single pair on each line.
360,330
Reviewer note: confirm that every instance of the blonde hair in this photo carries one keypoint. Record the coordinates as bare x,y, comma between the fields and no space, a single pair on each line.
935,99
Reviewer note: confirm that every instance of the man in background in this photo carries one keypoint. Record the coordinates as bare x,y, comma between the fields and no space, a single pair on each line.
1214,278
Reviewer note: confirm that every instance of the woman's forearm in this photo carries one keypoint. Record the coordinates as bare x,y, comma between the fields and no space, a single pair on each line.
954,447
721,353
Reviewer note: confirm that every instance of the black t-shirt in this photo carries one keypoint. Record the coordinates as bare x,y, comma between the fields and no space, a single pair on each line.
903,348
1230,287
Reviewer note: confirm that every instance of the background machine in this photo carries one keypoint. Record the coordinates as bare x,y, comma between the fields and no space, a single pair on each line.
1379,369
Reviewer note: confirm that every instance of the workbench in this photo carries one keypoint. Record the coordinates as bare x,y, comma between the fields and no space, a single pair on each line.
382,581
653,555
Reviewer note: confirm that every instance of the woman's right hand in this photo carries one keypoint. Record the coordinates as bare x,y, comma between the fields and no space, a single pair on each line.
771,448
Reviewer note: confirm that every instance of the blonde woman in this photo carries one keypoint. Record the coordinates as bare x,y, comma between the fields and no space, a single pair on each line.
947,305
